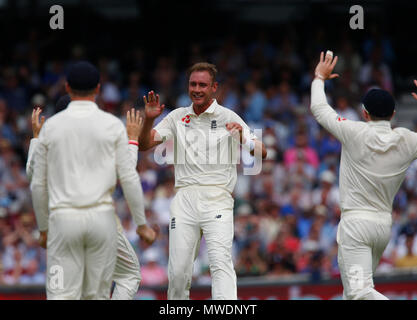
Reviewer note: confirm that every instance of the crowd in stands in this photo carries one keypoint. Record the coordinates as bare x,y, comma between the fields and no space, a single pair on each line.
285,218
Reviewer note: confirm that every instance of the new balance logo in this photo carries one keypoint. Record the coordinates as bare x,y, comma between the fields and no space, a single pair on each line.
218,216
173,223
213,124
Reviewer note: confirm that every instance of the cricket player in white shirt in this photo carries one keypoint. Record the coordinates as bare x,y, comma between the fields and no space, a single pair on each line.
373,163
80,153
203,204
127,274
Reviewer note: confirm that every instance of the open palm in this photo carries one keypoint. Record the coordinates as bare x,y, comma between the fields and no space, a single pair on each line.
152,107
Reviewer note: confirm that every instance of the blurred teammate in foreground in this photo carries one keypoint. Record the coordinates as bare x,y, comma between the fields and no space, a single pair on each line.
203,204
80,153
127,274
373,163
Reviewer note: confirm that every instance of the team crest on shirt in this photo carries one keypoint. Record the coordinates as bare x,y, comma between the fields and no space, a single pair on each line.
186,120
213,124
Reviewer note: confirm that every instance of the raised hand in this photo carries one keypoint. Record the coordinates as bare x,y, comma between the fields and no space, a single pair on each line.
413,93
36,124
152,107
134,124
325,67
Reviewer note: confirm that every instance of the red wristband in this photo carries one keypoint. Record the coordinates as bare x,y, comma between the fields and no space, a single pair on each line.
134,142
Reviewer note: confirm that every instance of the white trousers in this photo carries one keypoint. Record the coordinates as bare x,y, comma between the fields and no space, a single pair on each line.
127,270
201,211
361,243
81,253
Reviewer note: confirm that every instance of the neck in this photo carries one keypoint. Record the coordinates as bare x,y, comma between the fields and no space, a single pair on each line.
200,109
87,98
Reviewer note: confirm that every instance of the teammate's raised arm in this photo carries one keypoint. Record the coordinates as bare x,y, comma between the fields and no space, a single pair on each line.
36,128
36,124
152,110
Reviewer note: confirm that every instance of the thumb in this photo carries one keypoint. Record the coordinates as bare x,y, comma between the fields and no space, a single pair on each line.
334,75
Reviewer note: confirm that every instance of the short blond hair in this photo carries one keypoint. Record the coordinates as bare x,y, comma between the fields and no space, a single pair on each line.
204,66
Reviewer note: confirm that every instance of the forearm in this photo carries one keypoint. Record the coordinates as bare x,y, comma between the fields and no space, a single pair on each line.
30,162
133,193
39,185
145,135
320,108
129,180
259,149
40,205
133,154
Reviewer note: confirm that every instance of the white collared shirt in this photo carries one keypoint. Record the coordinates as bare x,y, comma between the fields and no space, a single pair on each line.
80,153
374,157
204,151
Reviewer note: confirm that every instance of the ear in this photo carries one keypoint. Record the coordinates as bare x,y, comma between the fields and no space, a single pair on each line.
67,88
215,86
393,114
365,115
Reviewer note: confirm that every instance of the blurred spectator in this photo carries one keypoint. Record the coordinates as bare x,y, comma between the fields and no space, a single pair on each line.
285,218
301,151
152,273
344,110
409,260
254,103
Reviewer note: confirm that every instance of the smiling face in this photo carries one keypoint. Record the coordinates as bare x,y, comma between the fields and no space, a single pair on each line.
201,89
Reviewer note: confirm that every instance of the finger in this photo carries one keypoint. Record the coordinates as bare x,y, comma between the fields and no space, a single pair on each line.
138,117
157,99
334,75
144,100
128,117
162,107
37,112
414,95
151,96
33,114
322,56
334,62
415,82
132,115
42,121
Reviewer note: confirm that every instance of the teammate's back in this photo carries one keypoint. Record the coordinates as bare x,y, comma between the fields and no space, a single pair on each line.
82,155
373,164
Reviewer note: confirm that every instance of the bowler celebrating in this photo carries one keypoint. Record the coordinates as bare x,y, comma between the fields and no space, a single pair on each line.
203,204
373,163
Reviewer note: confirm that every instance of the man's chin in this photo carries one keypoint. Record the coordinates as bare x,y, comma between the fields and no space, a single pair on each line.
198,104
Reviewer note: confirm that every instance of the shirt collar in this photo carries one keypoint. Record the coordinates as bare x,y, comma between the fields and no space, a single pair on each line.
82,105
380,123
210,109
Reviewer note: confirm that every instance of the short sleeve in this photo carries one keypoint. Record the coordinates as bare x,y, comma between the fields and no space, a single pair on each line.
166,127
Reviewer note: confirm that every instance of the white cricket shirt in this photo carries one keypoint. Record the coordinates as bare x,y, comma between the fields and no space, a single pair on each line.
205,153
80,153
374,158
